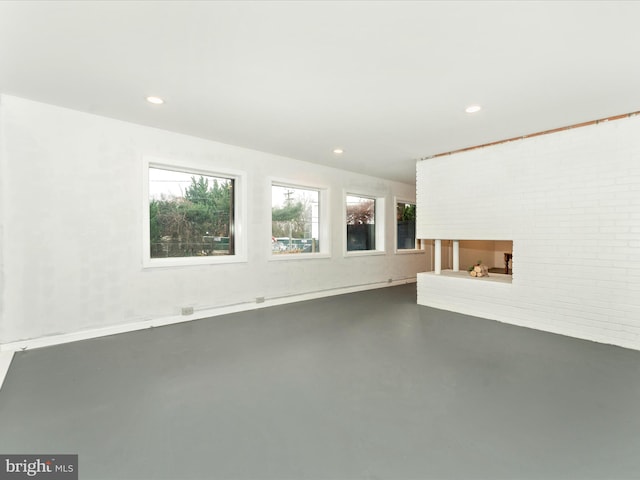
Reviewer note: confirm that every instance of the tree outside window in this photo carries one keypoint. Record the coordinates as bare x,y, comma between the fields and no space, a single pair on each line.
294,220
190,214
361,219
406,226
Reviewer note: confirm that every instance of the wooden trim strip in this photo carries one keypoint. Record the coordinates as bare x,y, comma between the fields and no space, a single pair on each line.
537,134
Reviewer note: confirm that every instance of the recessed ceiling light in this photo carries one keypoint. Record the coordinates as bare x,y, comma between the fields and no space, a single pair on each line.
473,108
338,151
155,100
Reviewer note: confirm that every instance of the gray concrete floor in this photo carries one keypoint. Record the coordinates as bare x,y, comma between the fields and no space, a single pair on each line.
360,386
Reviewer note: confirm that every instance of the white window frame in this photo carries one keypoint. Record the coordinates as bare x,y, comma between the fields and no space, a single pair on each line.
324,224
380,219
239,221
403,251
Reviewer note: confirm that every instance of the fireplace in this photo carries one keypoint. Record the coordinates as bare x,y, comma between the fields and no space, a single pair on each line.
496,256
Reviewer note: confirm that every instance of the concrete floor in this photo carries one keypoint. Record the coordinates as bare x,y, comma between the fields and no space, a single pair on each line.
360,386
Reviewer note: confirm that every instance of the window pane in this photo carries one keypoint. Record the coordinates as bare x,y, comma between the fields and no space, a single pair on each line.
190,214
406,226
295,226
361,219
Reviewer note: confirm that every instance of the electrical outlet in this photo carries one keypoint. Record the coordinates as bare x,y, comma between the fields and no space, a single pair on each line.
390,280
187,310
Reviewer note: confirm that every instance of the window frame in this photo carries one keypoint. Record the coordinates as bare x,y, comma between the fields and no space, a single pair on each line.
380,224
403,251
239,213
324,224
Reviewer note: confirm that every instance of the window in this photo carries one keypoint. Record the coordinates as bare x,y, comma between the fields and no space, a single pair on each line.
361,223
295,220
405,226
190,217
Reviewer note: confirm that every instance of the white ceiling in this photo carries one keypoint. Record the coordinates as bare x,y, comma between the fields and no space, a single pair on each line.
386,81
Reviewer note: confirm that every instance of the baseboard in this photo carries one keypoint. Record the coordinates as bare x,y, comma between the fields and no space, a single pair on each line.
5,363
52,340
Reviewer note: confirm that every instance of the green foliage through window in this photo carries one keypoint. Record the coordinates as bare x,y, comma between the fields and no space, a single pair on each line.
295,220
406,226
190,215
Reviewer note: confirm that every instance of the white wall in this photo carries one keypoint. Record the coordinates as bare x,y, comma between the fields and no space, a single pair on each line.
570,201
71,216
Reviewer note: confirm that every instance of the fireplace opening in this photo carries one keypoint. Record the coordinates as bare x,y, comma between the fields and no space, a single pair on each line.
496,255
485,257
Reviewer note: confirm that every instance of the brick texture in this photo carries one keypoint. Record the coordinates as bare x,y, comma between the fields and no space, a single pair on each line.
570,201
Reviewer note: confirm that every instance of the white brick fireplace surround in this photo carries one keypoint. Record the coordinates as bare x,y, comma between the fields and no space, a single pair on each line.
570,201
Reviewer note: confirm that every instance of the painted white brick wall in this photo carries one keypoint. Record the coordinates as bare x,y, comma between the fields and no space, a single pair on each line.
71,202
570,201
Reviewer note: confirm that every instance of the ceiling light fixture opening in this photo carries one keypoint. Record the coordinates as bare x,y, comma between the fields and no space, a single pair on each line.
338,151
155,100
473,109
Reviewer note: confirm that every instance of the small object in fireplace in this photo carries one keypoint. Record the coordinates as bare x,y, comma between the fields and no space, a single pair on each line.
479,270
507,257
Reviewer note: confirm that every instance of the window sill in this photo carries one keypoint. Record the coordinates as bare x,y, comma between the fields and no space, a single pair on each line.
285,257
192,261
364,253
409,251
